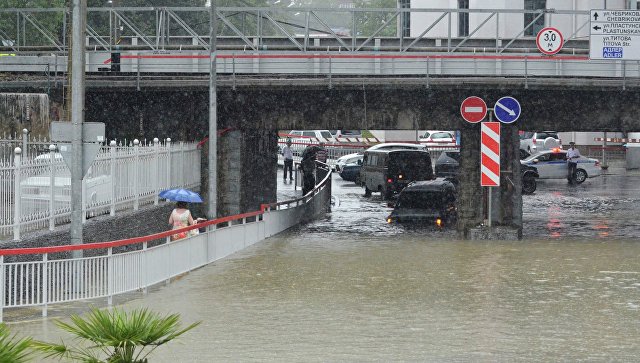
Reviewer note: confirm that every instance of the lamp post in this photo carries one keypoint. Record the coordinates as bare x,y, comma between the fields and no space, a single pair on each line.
212,193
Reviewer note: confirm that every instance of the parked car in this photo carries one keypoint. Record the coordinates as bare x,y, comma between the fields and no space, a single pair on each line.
533,142
438,138
36,189
300,139
389,171
347,159
552,164
350,134
448,166
351,170
432,201
397,146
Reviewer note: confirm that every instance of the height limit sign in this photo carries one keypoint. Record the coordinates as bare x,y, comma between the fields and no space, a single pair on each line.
614,34
549,41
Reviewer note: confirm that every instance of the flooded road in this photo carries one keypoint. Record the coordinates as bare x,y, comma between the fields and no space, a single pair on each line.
351,288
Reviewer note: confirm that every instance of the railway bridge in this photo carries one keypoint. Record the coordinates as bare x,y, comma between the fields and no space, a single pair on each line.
281,69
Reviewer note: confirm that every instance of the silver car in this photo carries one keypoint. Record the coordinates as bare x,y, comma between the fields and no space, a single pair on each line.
552,164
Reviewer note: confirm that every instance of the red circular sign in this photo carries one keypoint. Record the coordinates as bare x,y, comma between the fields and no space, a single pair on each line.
473,109
549,40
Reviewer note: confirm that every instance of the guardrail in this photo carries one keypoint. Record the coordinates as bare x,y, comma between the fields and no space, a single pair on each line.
117,267
35,191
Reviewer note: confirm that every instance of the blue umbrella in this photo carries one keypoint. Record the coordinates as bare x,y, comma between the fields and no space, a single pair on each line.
181,195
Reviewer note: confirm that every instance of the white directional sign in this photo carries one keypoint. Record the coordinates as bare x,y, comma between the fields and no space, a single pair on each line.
614,34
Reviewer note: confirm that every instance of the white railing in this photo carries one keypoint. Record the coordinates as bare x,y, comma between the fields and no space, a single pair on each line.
35,192
31,277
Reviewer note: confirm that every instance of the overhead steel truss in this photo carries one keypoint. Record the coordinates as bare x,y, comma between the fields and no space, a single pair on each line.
254,28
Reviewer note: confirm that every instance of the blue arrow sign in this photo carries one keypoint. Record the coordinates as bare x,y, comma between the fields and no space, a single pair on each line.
507,110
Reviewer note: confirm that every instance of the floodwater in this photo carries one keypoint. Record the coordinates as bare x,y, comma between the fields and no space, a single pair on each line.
349,287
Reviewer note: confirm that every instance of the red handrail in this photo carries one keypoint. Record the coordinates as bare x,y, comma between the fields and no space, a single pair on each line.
124,242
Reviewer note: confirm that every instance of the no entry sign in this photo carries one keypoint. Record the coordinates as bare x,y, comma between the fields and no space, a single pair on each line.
473,109
490,154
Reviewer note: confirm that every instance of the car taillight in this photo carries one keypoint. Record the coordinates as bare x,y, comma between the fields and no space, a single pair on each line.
534,140
597,162
389,180
439,222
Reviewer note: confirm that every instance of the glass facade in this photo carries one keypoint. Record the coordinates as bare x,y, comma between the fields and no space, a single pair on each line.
463,19
528,17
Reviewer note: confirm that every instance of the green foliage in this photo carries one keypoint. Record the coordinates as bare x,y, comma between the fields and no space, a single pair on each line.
116,336
368,22
13,349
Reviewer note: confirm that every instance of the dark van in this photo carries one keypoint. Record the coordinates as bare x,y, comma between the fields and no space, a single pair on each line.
389,171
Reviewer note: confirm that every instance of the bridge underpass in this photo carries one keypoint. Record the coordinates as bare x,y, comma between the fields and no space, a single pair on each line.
255,114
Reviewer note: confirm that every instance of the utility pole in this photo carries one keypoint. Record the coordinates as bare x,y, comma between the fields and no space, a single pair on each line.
78,12
213,118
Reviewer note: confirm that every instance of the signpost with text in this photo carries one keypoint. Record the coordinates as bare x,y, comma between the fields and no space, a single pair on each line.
614,34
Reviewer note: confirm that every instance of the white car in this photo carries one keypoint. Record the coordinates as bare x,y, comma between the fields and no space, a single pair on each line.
36,189
397,146
533,142
552,164
433,138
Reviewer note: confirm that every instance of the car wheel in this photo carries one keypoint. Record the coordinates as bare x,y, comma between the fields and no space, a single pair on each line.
529,185
581,176
367,191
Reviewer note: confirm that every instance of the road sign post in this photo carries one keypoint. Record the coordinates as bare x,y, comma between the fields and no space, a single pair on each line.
489,160
549,41
473,109
614,34
507,110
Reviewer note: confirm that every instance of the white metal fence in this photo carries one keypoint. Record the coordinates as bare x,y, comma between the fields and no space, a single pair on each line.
124,266
35,191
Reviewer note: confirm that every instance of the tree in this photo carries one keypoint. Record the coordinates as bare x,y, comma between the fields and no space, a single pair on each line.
116,336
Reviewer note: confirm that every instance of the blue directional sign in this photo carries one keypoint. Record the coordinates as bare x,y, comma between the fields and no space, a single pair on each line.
507,110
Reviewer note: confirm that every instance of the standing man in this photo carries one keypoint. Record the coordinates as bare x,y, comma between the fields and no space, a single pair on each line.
308,166
287,153
572,162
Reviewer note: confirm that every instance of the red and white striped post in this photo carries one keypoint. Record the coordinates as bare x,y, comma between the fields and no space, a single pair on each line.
490,160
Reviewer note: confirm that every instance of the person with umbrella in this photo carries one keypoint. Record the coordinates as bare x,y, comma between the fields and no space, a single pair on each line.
308,166
181,216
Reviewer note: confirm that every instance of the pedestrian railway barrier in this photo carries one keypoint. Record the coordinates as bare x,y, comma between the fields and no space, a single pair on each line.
45,276
35,189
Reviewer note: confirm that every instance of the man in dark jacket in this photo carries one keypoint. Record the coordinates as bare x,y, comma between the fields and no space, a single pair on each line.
308,165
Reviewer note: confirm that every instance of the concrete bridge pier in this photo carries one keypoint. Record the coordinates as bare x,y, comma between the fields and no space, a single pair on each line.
506,199
247,168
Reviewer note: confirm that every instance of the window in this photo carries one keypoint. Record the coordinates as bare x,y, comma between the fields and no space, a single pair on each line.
463,18
529,17
406,17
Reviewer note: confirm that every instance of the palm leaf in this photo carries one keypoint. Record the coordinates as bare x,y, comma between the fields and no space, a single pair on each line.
13,349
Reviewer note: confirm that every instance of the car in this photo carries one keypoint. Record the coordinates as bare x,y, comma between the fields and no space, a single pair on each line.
396,146
432,201
552,164
36,189
300,139
347,159
448,166
389,171
351,170
438,138
347,134
533,142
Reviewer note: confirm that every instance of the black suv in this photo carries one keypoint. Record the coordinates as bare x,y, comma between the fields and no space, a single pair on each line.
448,165
432,201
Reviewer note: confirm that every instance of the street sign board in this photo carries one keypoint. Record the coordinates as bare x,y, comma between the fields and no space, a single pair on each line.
473,109
89,153
614,34
61,131
490,154
549,41
507,109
